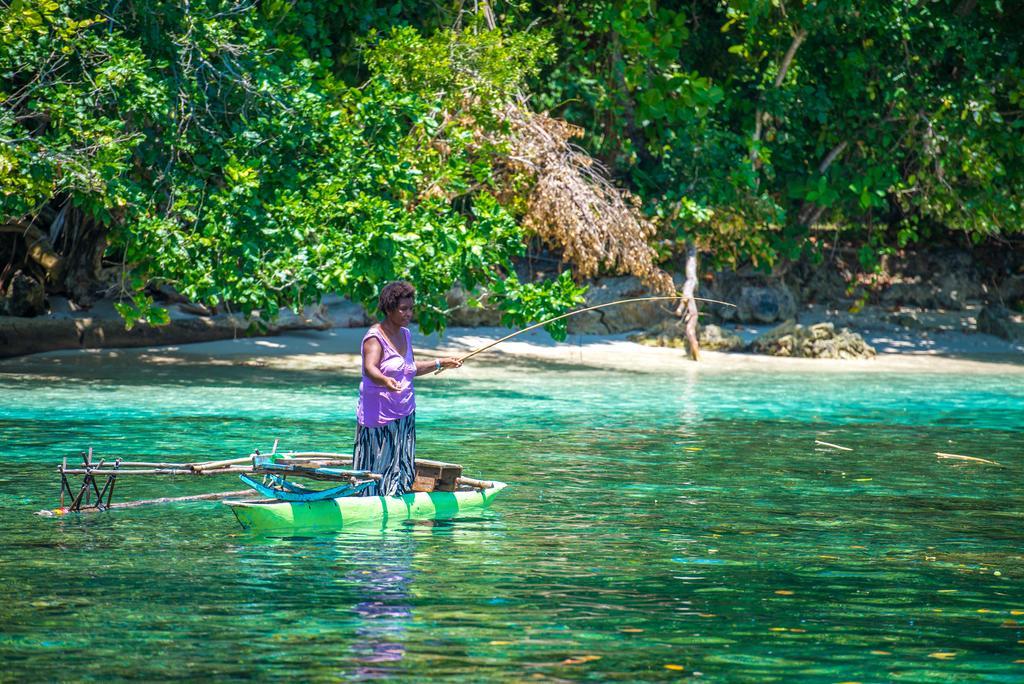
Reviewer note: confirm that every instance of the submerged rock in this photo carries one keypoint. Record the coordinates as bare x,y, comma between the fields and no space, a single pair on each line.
818,341
672,333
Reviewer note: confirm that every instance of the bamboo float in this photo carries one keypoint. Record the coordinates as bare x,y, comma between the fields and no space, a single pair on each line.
155,471
207,465
212,465
149,502
146,464
476,484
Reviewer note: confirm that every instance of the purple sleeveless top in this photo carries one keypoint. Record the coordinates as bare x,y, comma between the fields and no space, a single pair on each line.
378,405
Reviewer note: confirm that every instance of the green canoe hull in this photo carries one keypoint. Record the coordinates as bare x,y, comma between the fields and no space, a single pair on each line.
349,511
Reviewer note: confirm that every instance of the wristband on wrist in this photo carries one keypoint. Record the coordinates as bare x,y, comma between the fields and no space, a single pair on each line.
437,364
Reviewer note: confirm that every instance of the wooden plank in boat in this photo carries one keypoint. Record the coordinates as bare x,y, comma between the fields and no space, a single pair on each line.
423,484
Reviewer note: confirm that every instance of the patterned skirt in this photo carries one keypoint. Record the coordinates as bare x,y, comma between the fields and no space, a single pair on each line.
389,450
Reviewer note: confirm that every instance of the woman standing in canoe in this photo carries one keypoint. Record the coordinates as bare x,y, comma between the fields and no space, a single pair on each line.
386,413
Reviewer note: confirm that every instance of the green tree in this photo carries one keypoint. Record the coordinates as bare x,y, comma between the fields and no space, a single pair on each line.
748,124
204,146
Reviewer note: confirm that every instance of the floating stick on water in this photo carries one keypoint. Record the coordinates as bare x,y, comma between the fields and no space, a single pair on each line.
958,457
579,311
834,446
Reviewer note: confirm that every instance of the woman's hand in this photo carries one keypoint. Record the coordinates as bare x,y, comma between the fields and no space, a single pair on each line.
436,365
392,384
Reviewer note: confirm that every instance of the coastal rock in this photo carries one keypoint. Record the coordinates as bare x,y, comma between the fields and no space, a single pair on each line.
818,341
758,298
102,327
911,320
344,313
616,319
1012,289
25,296
996,319
948,291
672,333
461,313
765,304
819,283
310,318
715,338
941,279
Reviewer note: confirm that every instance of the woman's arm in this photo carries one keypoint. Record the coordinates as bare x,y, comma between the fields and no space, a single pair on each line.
372,353
436,364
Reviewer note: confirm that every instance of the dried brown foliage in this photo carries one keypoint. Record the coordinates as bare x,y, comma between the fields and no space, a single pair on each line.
573,207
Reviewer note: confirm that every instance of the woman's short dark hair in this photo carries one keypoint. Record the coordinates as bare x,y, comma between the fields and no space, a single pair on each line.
394,293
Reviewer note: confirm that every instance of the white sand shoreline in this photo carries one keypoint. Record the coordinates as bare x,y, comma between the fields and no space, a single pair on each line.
329,350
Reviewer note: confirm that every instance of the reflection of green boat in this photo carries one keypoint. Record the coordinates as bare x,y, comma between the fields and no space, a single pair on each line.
333,514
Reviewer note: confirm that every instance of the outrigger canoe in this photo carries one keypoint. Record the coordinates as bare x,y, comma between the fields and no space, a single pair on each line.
439,490
349,511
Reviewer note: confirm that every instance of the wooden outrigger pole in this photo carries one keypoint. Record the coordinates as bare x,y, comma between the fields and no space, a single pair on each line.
579,311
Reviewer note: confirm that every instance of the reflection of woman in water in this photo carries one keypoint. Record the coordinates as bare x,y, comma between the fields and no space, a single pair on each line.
386,413
383,576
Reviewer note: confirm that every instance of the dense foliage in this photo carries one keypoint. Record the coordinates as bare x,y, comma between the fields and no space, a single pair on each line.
258,155
215,155
752,124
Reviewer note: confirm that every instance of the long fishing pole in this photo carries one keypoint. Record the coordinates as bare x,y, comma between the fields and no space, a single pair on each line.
579,311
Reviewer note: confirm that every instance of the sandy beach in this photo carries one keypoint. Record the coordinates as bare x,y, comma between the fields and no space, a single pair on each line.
330,350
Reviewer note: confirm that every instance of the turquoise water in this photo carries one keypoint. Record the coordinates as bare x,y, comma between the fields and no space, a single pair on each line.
657,527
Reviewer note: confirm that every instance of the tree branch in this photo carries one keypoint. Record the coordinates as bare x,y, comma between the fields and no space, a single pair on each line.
810,212
787,60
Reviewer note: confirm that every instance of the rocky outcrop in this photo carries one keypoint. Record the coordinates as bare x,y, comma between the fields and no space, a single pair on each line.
818,341
773,302
20,336
943,278
461,313
616,319
1012,288
341,312
672,333
996,319
714,338
939,279
758,298
24,296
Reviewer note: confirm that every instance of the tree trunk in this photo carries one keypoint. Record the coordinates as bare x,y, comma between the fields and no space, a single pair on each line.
68,246
688,305
85,241
37,244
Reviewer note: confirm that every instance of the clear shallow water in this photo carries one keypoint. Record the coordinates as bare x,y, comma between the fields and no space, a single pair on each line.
687,521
